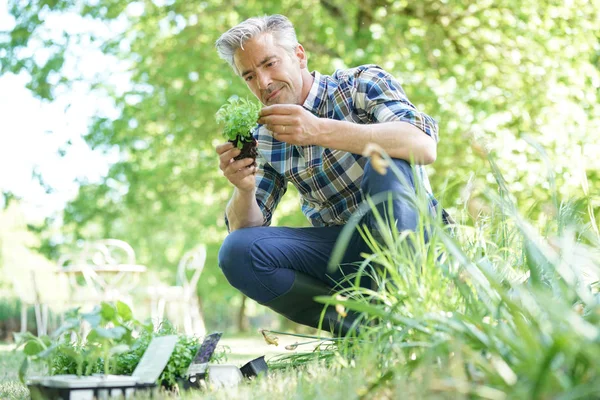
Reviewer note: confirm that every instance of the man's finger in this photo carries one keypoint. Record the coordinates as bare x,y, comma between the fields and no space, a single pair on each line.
275,120
227,155
238,165
281,130
223,147
237,176
247,171
281,109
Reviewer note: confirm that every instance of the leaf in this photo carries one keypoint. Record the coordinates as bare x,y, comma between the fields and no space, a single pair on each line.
108,312
46,340
119,349
269,338
110,333
340,309
93,319
21,338
23,370
48,351
124,311
33,348
292,346
70,324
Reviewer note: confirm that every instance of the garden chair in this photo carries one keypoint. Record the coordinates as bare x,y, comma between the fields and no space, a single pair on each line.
42,288
182,299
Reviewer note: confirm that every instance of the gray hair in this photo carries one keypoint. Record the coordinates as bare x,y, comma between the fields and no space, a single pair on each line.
278,25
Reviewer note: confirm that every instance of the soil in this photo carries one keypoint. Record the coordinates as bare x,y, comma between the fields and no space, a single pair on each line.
248,151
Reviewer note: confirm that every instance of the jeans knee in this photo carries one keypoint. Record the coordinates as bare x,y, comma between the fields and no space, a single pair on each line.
373,182
234,254
404,167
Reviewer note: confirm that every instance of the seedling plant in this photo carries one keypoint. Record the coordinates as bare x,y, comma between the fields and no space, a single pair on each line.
238,117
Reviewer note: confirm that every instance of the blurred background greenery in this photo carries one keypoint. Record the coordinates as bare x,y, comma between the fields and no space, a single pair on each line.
499,76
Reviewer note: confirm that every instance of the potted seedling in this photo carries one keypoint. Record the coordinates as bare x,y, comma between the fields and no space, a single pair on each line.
238,117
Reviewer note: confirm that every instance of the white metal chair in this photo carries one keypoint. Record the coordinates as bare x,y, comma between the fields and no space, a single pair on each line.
182,299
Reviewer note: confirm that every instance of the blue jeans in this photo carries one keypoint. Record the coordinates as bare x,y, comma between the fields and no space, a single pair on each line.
261,261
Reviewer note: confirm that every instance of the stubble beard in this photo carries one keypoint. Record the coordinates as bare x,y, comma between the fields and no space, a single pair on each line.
285,96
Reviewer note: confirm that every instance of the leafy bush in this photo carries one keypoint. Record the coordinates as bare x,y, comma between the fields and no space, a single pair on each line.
185,350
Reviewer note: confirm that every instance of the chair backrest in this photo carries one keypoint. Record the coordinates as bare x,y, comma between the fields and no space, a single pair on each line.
98,253
107,252
192,260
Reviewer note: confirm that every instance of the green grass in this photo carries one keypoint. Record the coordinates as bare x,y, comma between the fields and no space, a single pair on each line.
498,309
10,387
341,379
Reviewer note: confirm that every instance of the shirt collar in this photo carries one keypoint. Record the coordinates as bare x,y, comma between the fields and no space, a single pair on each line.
315,97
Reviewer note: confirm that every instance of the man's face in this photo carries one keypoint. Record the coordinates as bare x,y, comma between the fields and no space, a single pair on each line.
271,73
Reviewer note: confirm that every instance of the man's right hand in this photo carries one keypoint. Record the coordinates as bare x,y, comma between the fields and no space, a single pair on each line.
240,173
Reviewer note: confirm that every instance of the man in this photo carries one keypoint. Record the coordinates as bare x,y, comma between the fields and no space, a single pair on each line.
311,133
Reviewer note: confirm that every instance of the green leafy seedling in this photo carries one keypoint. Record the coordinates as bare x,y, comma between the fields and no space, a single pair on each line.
111,331
238,117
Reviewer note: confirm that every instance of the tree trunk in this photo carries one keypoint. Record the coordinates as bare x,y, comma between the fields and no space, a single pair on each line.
242,322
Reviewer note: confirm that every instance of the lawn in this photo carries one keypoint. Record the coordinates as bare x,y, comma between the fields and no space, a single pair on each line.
10,387
341,379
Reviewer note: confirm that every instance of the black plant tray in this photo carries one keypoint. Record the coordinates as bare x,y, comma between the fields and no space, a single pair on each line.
255,367
40,391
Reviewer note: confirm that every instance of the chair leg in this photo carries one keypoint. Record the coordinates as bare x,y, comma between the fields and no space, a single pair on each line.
154,311
197,319
38,319
160,310
23,317
187,318
45,319
200,326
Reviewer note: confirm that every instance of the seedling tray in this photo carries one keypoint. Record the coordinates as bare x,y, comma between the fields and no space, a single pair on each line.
255,367
71,387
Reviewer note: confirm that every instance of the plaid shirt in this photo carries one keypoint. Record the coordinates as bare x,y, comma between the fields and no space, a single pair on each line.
329,180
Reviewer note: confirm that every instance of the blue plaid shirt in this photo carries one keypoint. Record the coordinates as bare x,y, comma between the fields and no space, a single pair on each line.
329,180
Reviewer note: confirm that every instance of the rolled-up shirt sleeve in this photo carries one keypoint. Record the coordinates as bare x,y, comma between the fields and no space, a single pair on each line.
270,188
384,100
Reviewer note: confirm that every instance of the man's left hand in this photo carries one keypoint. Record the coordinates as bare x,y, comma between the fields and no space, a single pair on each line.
291,123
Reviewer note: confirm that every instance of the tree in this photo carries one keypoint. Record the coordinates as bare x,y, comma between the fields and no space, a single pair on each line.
494,74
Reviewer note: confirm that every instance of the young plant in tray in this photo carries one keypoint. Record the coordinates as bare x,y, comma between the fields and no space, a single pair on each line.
67,351
238,117
114,345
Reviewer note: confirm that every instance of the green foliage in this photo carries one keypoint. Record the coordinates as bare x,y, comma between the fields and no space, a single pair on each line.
115,344
516,310
185,350
10,317
238,117
9,308
112,333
